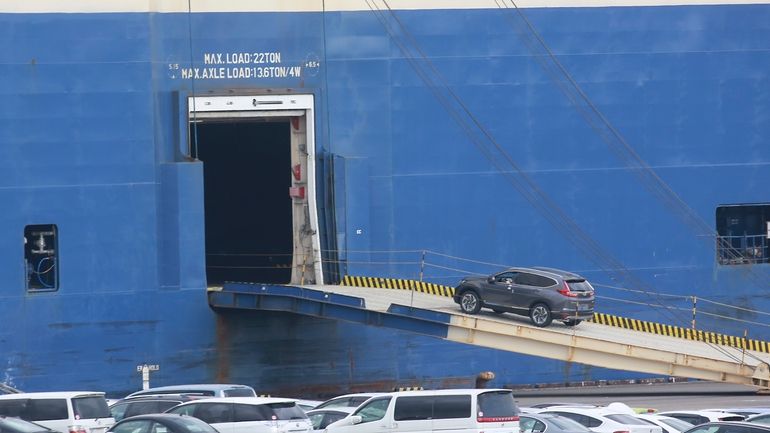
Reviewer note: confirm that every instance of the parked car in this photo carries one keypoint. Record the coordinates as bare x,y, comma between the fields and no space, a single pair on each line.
321,418
248,414
543,294
209,390
162,423
549,423
348,400
729,427
667,423
455,410
146,404
18,425
65,412
697,417
605,420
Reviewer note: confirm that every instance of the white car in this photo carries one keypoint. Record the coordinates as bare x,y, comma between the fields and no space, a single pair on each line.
605,420
667,423
66,412
248,414
696,417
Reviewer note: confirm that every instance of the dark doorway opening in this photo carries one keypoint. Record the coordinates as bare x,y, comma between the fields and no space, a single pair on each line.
246,175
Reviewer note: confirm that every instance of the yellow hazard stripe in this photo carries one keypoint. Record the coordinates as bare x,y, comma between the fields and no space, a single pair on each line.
679,332
401,284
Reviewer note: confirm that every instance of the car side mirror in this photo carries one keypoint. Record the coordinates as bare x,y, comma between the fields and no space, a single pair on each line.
355,419
491,279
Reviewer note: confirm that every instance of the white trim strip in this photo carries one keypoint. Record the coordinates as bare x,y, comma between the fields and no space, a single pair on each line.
166,6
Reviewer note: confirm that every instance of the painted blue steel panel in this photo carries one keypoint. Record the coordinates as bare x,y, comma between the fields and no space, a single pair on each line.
328,306
93,139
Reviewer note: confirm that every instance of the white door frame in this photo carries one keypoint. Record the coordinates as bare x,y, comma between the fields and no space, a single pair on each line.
240,106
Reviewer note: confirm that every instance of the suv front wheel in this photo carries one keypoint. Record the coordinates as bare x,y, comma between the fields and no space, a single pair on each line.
470,302
540,315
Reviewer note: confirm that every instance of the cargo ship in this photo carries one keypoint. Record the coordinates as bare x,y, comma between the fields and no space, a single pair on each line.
153,150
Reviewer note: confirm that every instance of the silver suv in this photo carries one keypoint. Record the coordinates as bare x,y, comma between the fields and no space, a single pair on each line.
543,294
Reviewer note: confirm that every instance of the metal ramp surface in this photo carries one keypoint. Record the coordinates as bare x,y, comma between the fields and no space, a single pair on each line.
438,316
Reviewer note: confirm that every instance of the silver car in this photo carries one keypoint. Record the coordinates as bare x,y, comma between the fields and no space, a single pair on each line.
543,294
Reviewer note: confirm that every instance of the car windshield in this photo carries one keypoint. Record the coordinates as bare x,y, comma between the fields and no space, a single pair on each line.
580,286
284,411
239,392
625,419
497,404
90,407
676,423
567,424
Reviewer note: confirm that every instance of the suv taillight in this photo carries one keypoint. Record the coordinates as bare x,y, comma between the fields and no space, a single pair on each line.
567,292
497,418
77,429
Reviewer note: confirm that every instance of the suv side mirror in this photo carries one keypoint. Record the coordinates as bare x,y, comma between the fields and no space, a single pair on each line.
491,279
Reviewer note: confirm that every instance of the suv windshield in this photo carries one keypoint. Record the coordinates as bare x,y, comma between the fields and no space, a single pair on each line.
239,392
284,411
496,404
580,286
90,407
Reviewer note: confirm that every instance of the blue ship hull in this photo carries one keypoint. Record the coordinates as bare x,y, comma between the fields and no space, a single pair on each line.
446,142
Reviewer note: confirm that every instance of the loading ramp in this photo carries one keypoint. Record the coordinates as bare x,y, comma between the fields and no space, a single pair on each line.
438,316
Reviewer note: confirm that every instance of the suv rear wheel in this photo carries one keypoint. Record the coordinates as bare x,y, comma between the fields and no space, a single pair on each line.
470,302
540,315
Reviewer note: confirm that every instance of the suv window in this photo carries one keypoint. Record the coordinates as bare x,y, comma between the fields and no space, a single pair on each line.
14,408
251,412
212,413
497,404
238,392
51,409
579,286
285,411
452,406
90,407
374,410
413,408
503,277
526,279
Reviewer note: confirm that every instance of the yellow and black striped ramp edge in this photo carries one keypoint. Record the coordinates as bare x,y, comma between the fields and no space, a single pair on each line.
679,332
394,283
601,318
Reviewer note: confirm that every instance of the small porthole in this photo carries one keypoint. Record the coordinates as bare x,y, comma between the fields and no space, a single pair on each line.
41,257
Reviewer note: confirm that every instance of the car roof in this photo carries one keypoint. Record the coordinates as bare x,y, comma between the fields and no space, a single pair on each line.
195,386
241,400
472,391
57,394
160,416
596,411
164,397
